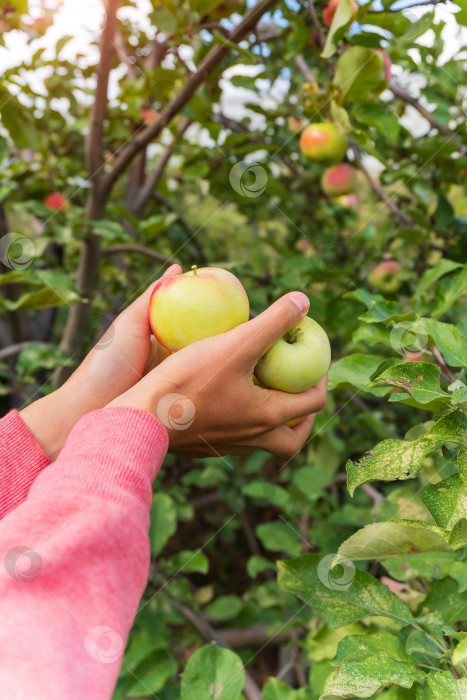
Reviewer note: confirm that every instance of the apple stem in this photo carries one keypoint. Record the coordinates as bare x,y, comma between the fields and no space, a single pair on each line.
292,335
195,269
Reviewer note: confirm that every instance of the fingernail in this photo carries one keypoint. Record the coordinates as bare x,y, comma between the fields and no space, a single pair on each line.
301,301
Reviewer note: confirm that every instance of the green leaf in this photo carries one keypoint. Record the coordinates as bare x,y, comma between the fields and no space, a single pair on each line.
268,492
256,565
449,339
447,501
323,646
213,673
342,599
311,481
278,536
443,686
226,607
443,267
188,561
420,379
276,690
163,522
432,566
391,539
462,464
376,114
459,655
360,74
384,311
42,299
374,668
449,291
399,459
152,674
356,646
446,603
341,19
422,646
354,370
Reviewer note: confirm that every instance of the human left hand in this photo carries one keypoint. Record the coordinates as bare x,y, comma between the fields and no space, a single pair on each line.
123,355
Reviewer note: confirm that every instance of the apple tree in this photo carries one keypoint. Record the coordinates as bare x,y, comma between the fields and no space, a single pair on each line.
301,145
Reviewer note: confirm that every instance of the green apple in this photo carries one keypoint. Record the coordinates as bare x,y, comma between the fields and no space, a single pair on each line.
323,142
195,305
298,360
386,277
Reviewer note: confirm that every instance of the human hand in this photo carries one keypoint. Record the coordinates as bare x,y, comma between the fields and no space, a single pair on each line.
118,361
205,396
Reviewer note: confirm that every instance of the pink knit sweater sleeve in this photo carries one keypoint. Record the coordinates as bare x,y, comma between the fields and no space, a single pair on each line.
75,558
21,460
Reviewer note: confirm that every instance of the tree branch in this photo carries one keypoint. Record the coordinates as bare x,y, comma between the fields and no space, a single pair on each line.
95,139
191,234
154,177
401,216
426,114
206,67
251,690
139,250
303,68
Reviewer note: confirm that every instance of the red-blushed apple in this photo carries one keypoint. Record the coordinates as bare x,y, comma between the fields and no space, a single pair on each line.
195,305
348,200
387,65
294,124
385,277
298,360
323,142
330,10
341,179
56,201
149,115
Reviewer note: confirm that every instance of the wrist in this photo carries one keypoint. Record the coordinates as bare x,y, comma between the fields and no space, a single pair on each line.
52,418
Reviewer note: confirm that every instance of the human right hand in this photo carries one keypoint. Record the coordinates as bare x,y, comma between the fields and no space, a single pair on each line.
206,398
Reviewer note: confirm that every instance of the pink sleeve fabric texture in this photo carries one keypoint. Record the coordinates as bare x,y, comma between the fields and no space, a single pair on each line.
21,461
75,559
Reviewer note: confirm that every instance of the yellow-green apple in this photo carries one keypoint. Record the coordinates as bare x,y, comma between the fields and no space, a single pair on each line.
331,8
338,180
323,142
195,305
56,201
298,360
386,277
294,124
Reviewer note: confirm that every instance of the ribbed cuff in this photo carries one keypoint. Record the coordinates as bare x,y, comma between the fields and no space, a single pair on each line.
21,460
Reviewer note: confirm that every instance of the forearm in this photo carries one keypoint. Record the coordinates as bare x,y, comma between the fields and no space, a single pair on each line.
86,519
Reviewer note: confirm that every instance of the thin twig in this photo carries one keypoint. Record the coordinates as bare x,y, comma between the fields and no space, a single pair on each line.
316,22
379,190
440,360
139,250
206,67
426,114
15,349
303,68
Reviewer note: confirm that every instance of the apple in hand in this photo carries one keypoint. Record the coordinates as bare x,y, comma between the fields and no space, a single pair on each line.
298,360
323,142
340,179
195,305
385,277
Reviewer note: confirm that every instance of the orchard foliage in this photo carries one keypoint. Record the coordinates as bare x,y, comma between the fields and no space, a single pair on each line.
341,573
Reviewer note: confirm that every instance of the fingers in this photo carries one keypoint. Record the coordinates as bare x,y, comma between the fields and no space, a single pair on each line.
257,336
284,407
140,305
286,442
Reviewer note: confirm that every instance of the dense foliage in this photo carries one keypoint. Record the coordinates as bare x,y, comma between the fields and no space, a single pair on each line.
204,165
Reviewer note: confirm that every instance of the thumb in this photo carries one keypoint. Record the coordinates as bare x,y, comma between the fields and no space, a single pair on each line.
140,305
258,335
